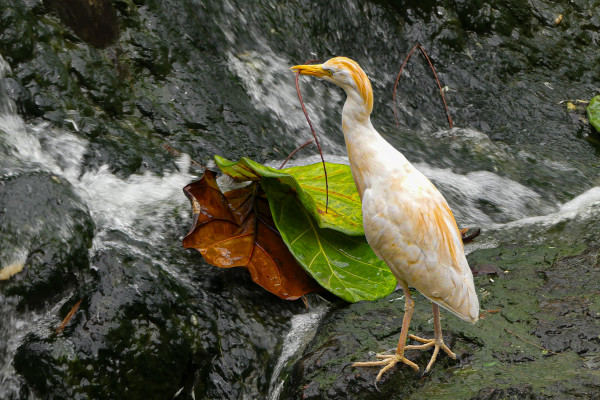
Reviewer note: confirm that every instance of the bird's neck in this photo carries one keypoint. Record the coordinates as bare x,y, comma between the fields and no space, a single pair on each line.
355,110
370,155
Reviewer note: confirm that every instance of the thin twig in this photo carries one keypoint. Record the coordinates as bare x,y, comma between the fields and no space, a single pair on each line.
538,346
315,136
484,313
434,74
305,302
471,236
398,80
68,317
438,82
295,151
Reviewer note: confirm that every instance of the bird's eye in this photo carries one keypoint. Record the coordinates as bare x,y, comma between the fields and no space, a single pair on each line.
329,72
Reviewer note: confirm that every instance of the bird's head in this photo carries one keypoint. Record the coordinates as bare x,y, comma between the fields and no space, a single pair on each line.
345,73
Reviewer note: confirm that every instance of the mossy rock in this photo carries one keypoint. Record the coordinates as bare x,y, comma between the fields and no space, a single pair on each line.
537,338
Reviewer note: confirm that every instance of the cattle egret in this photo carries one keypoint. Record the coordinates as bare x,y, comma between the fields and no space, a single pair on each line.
406,219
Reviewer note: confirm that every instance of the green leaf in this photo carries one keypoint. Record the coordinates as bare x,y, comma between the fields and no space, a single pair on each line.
593,112
344,265
245,169
344,211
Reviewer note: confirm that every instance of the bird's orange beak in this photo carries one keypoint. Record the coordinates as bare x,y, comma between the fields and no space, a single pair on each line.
312,70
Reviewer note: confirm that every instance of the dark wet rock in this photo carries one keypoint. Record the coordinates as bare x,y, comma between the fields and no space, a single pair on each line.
22,97
119,148
17,38
146,329
130,324
140,333
159,85
169,76
352,333
570,311
151,52
44,225
513,356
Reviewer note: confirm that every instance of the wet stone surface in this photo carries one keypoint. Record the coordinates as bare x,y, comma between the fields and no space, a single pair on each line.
139,333
538,339
45,227
512,393
325,371
212,78
570,310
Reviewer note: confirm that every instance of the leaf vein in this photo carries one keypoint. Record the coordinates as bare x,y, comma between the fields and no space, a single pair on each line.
299,236
333,273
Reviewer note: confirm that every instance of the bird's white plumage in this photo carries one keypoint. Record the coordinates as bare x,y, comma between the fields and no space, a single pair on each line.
409,224
407,221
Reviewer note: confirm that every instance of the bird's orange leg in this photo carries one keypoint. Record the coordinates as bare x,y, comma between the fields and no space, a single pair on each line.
437,342
389,360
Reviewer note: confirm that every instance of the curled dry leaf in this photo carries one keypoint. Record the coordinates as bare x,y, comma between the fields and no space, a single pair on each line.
236,229
467,236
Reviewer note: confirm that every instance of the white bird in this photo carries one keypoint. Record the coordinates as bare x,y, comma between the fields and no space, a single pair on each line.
407,221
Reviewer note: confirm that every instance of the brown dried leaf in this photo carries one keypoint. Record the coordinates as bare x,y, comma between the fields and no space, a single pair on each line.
236,229
469,237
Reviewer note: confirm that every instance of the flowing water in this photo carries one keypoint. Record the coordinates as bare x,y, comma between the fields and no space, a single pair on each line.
498,172
134,206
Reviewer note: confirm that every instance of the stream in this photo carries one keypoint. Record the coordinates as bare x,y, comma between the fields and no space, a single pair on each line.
92,207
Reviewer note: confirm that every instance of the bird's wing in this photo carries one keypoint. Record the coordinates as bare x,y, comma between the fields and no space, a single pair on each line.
409,225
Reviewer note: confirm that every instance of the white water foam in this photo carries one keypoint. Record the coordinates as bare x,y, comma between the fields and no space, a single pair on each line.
135,205
303,327
586,206
466,193
583,206
268,80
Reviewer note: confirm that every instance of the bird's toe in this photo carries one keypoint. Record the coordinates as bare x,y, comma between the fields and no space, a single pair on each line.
424,373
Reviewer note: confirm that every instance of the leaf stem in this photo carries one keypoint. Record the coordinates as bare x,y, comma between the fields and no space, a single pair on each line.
295,151
66,320
315,136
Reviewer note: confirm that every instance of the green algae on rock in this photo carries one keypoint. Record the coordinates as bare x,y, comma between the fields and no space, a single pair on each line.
540,340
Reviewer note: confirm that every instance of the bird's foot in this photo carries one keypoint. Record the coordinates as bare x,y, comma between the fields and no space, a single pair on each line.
437,344
388,361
